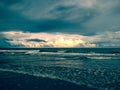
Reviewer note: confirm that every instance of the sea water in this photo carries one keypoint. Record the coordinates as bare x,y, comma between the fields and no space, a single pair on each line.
93,67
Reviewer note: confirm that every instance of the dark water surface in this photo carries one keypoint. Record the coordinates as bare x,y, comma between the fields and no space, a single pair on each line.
81,67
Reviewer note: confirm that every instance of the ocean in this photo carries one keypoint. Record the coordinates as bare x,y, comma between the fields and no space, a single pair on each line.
60,68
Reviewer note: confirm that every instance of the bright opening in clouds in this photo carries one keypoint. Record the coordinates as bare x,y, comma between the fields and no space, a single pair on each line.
36,40
59,23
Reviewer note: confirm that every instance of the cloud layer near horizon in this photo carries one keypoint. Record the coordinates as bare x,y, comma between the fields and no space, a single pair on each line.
57,40
87,18
36,40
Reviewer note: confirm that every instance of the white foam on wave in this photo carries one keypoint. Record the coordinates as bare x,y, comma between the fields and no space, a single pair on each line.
45,75
29,73
32,52
15,51
20,51
96,54
104,58
63,54
90,77
100,58
49,53
36,74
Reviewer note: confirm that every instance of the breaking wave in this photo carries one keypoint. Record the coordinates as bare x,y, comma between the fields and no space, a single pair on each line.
99,79
65,54
97,68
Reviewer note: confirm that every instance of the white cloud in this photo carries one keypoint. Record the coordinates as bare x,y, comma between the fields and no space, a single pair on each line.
52,40
18,38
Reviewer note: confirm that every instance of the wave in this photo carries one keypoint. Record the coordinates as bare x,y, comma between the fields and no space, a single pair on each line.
104,58
100,58
13,51
91,77
19,51
39,82
32,52
64,54
49,50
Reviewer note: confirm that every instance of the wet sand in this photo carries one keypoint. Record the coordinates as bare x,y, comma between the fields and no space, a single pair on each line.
16,81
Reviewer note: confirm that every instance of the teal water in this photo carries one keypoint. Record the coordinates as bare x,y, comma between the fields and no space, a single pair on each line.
93,67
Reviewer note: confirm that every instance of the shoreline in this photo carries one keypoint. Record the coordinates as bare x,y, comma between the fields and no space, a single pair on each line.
17,81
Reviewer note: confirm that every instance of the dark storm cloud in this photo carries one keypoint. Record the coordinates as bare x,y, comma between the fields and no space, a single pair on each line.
61,19
10,2
35,40
53,25
10,19
86,17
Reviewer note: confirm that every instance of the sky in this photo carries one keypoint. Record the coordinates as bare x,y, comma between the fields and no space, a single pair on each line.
59,23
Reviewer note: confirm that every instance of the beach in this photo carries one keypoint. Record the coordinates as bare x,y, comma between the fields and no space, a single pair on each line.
17,81
60,69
